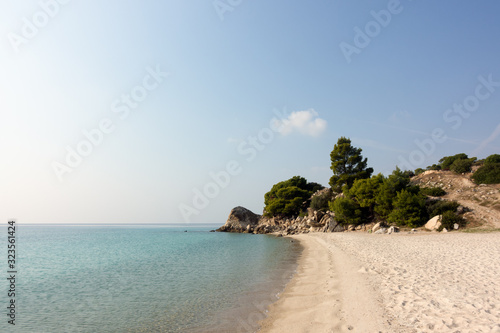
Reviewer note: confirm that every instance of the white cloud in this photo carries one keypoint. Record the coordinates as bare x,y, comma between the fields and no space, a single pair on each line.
305,122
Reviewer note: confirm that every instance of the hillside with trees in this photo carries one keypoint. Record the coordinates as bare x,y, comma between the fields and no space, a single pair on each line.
404,198
459,191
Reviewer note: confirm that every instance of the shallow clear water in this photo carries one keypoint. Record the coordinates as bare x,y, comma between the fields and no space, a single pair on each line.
144,279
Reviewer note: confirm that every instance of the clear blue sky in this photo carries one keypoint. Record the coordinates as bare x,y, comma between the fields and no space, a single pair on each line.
172,91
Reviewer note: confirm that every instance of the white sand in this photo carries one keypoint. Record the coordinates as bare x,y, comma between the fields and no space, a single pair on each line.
356,282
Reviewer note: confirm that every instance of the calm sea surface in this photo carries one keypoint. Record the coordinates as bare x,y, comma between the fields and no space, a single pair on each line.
143,278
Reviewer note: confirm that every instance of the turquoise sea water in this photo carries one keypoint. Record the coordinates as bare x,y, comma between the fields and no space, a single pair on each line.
143,279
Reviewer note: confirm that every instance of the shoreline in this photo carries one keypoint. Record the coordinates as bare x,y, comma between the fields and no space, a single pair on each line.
249,305
356,282
323,295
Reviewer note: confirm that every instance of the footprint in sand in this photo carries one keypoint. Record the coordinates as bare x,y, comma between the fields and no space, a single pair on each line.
365,270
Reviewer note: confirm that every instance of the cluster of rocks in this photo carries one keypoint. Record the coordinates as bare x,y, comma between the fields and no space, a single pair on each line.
243,220
381,228
435,224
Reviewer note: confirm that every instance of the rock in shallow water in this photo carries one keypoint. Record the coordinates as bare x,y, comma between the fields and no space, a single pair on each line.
239,220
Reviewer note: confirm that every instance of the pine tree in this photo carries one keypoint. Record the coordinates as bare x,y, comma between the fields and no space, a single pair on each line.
347,165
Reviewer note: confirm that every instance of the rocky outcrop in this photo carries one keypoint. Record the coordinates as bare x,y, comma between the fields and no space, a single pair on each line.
331,225
240,220
244,221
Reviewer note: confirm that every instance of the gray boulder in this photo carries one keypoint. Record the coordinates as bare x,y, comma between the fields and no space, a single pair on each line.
392,229
240,220
331,225
381,231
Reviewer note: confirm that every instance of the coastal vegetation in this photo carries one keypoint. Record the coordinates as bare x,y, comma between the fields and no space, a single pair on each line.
358,197
290,197
433,191
489,173
439,207
449,219
488,170
320,200
347,165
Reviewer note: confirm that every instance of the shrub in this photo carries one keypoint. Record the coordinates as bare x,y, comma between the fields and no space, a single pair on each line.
487,174
347,211
409,173
447,161
438,207
413,189
492,159
433,191
478,162
313,187
434,167
418,171
320,202
462,165
449,219
409,210
364,191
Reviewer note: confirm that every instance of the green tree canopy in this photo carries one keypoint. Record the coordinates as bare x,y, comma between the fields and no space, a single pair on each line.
462,165
288,198
320,202
495,158
418,171
396,182
447,161
347,165
409,210
347,211
434,167
365,192
489,173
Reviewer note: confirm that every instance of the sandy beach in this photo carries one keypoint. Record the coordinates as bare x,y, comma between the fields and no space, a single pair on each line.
358,282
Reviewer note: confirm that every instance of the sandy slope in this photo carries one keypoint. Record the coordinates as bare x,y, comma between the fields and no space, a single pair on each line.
357,282
483,200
